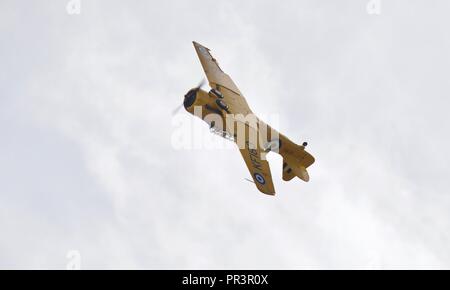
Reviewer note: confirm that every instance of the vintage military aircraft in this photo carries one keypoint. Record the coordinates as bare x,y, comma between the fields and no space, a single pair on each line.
225,109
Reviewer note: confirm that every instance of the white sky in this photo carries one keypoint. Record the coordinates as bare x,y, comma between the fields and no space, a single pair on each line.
87,164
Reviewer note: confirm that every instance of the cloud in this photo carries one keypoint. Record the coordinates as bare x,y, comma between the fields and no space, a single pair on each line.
87,107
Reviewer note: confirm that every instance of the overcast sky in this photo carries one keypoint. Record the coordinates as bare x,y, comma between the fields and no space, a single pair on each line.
87,162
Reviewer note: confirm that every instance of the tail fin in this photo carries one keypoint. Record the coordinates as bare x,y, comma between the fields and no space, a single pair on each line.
295,160
290,170
287,171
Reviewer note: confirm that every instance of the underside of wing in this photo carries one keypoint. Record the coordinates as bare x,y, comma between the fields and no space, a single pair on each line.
258,166
213,71
220,81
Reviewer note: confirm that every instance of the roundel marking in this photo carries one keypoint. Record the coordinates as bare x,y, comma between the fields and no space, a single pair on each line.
259,178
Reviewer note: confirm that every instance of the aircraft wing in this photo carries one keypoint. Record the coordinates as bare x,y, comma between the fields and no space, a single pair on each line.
222,82
254,158
253,154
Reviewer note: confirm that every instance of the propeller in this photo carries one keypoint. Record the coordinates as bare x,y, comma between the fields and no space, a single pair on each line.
200,84
198,87
174,112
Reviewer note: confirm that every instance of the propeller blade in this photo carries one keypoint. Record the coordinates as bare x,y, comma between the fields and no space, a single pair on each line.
198,87
174,112
201,84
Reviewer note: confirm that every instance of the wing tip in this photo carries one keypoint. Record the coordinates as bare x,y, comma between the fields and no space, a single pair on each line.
196,44
267,191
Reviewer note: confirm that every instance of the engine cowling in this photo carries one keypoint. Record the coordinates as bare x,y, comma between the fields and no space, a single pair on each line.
196,99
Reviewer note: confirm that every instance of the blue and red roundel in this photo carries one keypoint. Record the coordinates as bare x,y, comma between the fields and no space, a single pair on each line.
259,178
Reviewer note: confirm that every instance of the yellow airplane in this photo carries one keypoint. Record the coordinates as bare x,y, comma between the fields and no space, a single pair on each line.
226,111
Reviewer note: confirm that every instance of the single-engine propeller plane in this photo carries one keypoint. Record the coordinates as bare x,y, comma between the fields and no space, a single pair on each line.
226,111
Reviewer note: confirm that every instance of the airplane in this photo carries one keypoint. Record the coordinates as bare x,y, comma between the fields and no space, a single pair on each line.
224,108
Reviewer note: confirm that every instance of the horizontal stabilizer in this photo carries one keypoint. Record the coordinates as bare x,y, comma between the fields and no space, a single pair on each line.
288,174
290,170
